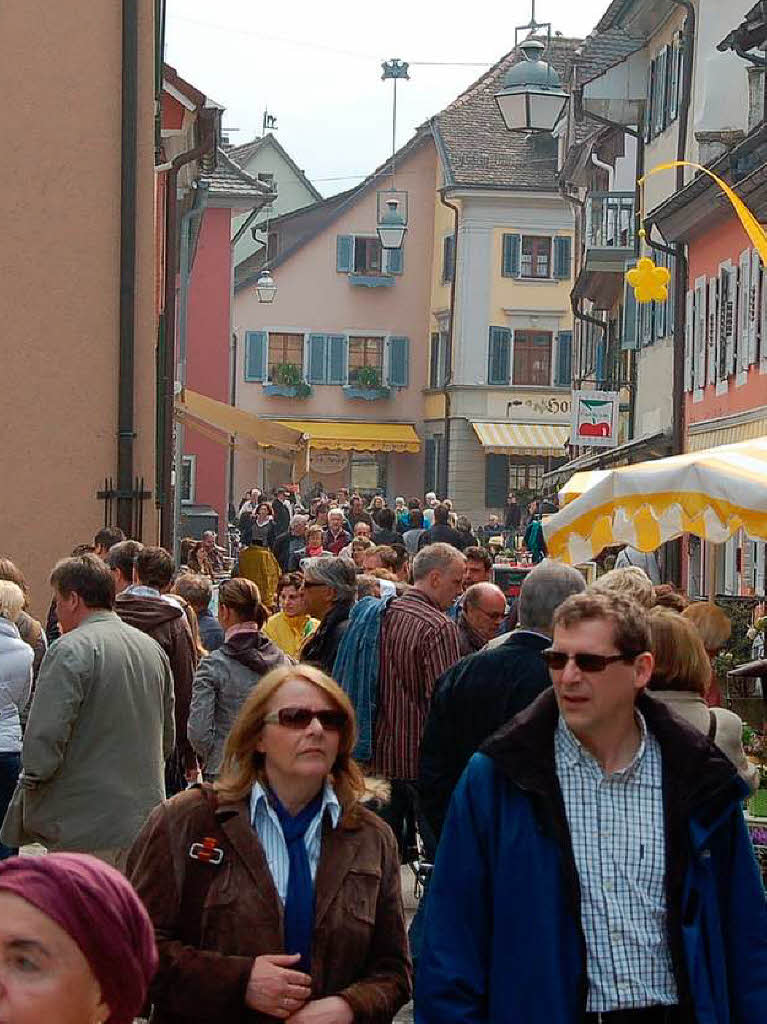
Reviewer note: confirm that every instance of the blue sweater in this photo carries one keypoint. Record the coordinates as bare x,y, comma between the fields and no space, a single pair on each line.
503,941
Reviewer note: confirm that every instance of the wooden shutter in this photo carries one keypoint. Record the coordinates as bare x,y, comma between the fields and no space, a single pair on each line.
689,325
336,359
763,325
434,361
395,260
744,294
661,308
629,331
344,254
730,321
564,376
753,307
563,249
673,98
600,359
646,319
699,335
430,465
712,330
256,346
511,255
317,359
399,362
448,258
496,480
649,94
659,94
499,355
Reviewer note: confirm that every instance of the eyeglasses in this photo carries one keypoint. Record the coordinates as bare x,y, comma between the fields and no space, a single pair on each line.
301,718
557,660
312,583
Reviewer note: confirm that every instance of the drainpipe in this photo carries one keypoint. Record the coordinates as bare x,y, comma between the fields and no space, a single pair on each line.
167,380
187,226
450,336
126,432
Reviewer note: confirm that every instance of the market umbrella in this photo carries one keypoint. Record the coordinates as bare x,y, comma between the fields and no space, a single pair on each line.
711,493
579,483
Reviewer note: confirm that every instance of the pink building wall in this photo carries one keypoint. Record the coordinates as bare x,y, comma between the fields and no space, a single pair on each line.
208,345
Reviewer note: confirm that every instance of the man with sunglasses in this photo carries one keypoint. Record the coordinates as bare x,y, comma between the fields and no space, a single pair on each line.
594,865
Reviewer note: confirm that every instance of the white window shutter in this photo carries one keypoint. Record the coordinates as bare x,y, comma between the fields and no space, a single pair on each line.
699,334
744,292
689,325
753,306
712,334
730,320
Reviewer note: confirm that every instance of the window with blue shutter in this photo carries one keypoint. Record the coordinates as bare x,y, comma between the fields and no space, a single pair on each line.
255,355
395,260
448,258
563,255
317,359
511,254
496,480
629,336
399,362
344,254
336,359
565,359
499,356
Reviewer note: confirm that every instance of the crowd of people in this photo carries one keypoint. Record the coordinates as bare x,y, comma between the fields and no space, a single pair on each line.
228,797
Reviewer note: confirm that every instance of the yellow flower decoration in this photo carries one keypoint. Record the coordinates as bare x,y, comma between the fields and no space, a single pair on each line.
648,281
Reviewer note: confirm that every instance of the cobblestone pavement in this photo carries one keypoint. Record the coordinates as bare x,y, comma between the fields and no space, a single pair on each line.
405,1016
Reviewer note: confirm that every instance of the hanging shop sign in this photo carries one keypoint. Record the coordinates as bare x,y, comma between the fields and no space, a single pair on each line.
595,418
327,463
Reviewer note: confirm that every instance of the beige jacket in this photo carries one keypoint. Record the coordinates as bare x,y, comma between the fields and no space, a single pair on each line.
729,728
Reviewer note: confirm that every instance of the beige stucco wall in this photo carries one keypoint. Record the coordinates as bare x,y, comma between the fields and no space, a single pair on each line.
59,276
313,297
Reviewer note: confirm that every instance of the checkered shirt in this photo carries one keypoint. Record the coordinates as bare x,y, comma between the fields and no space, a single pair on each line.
619,844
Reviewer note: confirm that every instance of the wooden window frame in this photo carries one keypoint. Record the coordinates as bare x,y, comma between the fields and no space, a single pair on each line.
369,342
366,266
282,339
537,243
526,338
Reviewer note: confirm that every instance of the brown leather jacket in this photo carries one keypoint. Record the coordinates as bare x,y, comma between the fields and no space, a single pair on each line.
212,921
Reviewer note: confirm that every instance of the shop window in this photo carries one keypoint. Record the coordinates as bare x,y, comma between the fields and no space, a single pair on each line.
367,474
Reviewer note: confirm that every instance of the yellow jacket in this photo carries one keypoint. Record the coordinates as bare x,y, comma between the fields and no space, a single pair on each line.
289,632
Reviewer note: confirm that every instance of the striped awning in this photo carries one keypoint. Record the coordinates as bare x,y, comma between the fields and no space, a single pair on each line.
726,435
522,438
711,494
344,436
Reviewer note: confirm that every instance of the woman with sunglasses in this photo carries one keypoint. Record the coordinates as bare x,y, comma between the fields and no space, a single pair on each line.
274,893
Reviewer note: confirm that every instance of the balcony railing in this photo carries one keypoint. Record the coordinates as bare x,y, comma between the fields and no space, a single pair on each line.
610,220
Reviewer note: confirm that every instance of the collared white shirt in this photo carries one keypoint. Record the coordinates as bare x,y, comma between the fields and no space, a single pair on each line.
267,826
619,844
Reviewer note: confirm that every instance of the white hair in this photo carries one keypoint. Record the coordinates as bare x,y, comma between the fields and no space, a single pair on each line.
11,600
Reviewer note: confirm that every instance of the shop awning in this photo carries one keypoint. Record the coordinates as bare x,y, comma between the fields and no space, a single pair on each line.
337,436
726,435
522,438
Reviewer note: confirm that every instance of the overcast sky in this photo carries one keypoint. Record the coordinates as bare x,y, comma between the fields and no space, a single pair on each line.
316,67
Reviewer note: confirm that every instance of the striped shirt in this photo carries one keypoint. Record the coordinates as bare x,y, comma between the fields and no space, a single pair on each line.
267,826
618,836
418,644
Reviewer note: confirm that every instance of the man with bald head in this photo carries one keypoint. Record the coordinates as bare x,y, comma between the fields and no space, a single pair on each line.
482,610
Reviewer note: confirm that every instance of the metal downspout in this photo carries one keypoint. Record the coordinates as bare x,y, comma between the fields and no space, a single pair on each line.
449,352
127,315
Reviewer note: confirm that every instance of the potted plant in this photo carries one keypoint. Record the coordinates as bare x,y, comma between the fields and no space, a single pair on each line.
287,382
367,385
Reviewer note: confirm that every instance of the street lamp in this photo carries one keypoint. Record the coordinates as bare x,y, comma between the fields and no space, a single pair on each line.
532,98
266,289
392,205
391,226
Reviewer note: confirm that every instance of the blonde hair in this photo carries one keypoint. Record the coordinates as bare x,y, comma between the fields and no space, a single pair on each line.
243,763
11,600
681,662
631,581
711,622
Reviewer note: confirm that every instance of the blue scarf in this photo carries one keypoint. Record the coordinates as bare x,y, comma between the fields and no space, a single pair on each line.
299,901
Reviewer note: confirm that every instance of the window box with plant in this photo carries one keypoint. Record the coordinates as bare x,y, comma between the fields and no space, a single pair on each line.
287,382
367,385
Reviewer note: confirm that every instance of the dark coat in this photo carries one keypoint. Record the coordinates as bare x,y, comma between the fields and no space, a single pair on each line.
282,513
439,534
334,544
322,646
211,631
471,701
512,517
509,945
212,921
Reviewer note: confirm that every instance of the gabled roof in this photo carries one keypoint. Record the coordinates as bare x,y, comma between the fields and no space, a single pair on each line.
244,153
229,182
172,78
602,51
476,148
750,33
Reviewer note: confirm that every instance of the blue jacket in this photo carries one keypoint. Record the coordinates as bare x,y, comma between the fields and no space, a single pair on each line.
503,941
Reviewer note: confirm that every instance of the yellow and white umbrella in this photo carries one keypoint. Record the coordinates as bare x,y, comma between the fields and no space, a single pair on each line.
579,483
711,493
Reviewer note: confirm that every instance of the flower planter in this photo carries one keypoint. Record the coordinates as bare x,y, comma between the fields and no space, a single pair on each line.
287,390
366,394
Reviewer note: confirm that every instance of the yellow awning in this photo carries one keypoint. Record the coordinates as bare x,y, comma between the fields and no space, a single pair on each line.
335,436
522,438
238,422
727,435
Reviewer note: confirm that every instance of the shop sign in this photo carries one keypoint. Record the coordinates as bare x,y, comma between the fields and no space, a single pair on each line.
327,463
595,418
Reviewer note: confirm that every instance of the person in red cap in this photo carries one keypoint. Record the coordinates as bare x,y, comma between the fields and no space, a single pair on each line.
76,945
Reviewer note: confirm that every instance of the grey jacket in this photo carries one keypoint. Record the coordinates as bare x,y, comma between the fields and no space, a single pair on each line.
100,728
220,687
15,684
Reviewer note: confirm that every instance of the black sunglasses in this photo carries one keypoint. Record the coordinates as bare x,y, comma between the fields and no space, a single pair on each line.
312,583
301,718
557,660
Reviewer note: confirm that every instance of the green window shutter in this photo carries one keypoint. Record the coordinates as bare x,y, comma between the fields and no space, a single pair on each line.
336,357
565,359
648,112
395,260
399,362
629,335
563,256
255,355
434,377
344,254
317,350
511,255
499,355
430,465
496,480
448,258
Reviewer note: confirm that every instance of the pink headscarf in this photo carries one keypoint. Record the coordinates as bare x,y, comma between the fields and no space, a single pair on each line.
99,910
